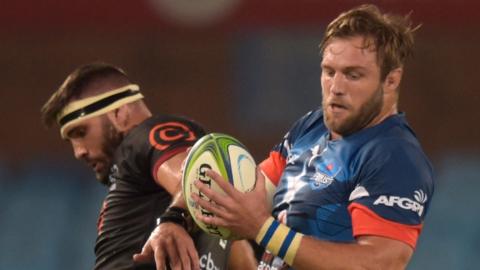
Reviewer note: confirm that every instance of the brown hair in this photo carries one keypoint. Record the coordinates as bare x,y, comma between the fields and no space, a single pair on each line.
391,35
76,83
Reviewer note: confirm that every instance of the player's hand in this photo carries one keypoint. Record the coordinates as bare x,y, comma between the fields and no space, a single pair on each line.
169,242
242,213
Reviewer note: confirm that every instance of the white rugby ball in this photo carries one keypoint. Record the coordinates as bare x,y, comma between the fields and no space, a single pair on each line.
226,156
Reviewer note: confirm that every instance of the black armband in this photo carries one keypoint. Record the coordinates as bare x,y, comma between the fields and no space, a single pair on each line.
175,215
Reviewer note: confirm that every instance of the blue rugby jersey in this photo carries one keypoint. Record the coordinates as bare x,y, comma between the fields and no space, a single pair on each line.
376,181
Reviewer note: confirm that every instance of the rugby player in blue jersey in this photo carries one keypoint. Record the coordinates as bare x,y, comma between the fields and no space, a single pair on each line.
351,183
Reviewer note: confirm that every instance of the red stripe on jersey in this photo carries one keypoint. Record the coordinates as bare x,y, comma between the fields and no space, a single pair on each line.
367,222
164,158
101,218
273,166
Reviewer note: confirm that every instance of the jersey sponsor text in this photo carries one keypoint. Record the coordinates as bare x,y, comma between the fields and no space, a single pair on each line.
404,203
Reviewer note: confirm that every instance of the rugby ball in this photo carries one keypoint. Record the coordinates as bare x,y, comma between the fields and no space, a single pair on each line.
226,156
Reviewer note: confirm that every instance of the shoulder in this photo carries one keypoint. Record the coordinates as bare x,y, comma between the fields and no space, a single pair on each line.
166,130
170,122
163,129
393,154
395,140
161,133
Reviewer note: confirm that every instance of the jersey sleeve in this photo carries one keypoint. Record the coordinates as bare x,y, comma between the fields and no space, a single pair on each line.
170,137
392,193
276,161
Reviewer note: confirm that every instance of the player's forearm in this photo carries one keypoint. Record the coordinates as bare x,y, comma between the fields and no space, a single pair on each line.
303,252
178,201
317,254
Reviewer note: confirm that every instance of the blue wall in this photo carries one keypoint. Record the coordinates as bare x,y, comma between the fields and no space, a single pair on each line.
451,238
48,217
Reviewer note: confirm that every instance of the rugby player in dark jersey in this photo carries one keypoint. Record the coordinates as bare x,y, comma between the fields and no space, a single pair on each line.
138,156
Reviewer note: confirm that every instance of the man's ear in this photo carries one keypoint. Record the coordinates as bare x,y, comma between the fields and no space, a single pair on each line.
392,81
120,118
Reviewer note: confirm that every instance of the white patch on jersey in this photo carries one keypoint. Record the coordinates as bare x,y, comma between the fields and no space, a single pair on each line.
294,185
207,263
292,158
315,153
111,177
223,243
286,144
358,192
113,187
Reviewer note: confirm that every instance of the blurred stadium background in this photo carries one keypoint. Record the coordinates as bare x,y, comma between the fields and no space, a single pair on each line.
244,67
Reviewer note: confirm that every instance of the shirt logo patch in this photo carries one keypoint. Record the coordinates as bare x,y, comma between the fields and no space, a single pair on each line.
323,168
321,180
416,205
163,135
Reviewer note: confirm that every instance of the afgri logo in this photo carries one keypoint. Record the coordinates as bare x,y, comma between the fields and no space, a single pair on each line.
420,196
416,205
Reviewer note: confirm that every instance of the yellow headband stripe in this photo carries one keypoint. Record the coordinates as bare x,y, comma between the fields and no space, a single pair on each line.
86,108
82,103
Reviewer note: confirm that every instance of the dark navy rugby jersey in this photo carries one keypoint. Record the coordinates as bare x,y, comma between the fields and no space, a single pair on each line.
376,181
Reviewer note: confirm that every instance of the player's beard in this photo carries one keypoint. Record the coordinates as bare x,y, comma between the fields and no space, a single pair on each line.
111,140
356,121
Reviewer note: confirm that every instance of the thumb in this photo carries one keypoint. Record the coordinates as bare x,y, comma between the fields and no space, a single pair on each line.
184,162
260,182
146,255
